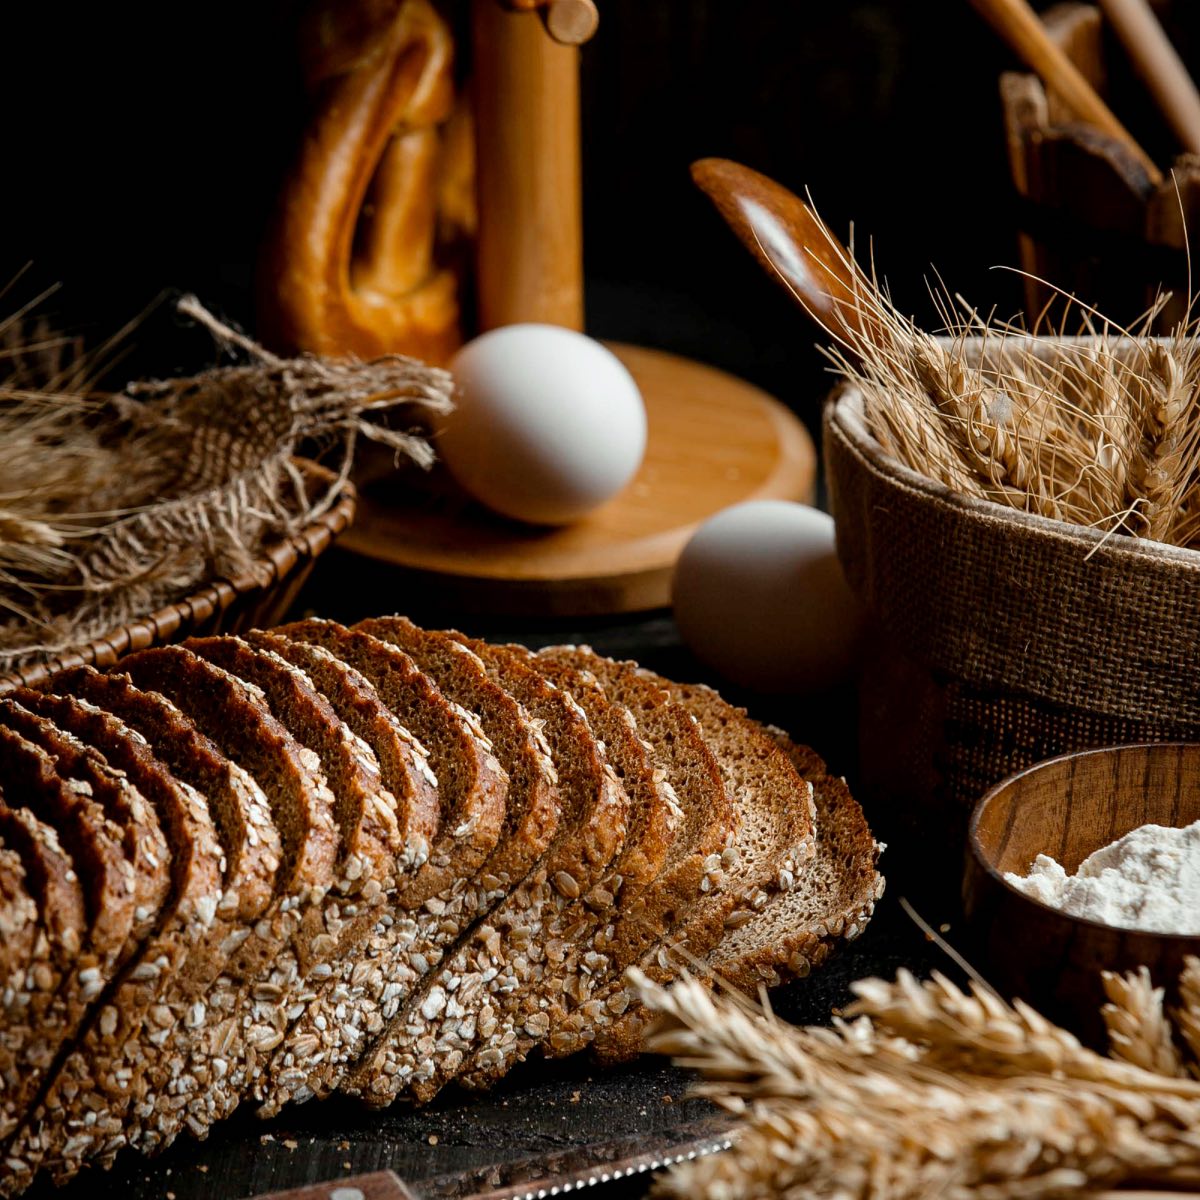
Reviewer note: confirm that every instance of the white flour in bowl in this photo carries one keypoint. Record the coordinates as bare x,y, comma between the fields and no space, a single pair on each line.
1148,880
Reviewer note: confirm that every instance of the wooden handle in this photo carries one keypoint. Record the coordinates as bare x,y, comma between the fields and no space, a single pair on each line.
1159,66
529,256
1019,25
382,1185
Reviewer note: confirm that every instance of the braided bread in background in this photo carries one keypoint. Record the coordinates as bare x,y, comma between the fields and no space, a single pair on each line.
381,192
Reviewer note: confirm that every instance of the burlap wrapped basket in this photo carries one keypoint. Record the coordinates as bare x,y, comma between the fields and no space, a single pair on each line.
1000,638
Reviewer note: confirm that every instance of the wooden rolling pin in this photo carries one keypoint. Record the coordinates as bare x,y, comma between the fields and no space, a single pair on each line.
1019,25
1160,67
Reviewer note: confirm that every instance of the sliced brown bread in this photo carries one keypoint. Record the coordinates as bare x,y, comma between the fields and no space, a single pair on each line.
832,901
487,990
531,815
240,813
700,852
364,811
73,1121
30,1034
473,789
162,1071
773,843
403,760
18,931
144,842
654,815
246,1005
95,847
472,786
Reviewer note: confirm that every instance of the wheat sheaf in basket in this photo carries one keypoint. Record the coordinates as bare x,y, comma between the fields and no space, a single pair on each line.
375,861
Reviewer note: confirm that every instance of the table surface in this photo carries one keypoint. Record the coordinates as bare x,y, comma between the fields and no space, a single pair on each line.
542,1107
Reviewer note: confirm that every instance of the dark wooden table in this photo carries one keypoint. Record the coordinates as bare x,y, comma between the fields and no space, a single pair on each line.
541,1108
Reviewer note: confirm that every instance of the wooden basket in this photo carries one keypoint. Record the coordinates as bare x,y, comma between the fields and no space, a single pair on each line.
224,605
1001,638
1092,222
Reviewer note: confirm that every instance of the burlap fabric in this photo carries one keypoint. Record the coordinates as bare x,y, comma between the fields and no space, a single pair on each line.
1003,638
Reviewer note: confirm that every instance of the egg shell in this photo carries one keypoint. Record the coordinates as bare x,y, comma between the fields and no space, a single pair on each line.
760,597
548,423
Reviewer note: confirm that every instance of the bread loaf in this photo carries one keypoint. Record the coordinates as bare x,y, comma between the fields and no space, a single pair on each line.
377,860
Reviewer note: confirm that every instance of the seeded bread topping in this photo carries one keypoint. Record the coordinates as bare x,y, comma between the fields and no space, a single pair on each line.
353,1005
486,991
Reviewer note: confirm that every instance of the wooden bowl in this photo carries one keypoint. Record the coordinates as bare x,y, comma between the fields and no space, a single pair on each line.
1069,807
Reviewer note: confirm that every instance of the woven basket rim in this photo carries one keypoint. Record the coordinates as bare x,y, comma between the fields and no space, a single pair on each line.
281,557
846,405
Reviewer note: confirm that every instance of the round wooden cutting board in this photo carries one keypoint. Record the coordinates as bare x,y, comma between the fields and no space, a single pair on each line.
714,441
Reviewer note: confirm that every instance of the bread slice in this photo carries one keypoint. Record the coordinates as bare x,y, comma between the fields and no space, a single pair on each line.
246,1005
487,990
531,816
832,900
403,760
30,1034
94,845
73,1122
364,811
165,1068
143,841
654,816
774,841
700,852
18,933
473,789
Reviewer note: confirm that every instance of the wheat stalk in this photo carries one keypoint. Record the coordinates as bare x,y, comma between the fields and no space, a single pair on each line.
1187,1016
1138,1029
113,506
930,1090
1104,434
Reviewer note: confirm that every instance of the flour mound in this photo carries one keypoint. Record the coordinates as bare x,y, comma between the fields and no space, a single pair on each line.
1147,880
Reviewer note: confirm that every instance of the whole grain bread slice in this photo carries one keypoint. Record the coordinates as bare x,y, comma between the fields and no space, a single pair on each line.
245,1008
700,852
369,840
18,932
473,789
57,892
487,990
403,760
74,1121
95,847
832,901
654,817
774,841
162,1066
144,843
531,813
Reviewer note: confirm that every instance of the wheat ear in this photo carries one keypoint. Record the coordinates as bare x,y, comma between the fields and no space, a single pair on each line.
1138,1029
1187,1016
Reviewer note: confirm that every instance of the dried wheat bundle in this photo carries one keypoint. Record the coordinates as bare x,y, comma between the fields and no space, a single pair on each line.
112,506
1104,432
927,1089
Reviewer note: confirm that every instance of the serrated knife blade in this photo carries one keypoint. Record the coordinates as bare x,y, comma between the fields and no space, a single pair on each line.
598,1166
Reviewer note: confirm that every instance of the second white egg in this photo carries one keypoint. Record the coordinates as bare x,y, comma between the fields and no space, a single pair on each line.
548,423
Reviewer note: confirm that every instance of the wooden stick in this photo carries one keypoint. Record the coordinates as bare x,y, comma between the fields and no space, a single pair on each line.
529,254
571,22
1159,65
1019,25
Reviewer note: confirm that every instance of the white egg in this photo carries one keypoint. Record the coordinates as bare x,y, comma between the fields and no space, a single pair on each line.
759,596
548,424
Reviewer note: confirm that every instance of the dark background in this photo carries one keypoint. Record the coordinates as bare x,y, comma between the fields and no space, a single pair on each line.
145,145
